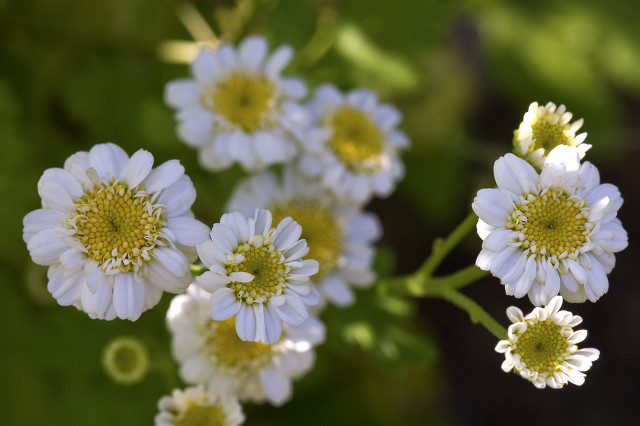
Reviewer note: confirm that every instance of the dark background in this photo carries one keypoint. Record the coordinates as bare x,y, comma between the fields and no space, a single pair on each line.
77,73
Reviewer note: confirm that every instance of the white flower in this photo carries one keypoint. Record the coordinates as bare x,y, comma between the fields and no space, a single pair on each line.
549,233
114,232
210,352
542,346
353,144
339,235
196,406
257,274
542,129
238,108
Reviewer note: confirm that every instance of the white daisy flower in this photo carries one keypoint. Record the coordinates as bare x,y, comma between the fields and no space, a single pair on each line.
552,232
353,145
238,108
210,352
542,346
340,236
196,406
114,232
257,274
542,129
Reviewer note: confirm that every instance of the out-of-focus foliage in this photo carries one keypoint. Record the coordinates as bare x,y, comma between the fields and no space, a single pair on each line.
76,73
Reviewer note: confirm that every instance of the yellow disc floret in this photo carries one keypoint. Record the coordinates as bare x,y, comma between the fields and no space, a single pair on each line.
548,135
319,228
552,224
542,347
229,351
246,101
266,264
119,227
202,415
356,140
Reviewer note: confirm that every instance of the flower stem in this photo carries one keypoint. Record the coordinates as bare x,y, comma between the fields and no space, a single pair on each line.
475,311
422,283
442,248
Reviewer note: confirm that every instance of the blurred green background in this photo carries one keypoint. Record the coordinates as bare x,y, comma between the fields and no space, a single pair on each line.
76,73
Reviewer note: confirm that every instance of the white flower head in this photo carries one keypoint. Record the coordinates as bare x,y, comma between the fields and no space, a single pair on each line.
257,274
542,129
340,236
197,406
237,107
542,346
353,145
549,233
210,352
114,231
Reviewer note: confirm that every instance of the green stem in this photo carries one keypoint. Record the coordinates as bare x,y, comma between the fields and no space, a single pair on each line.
475,311
441,249
197,270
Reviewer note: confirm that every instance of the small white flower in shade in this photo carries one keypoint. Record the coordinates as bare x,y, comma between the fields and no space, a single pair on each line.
237,107
340,236
114,231
542,346
197,406
549,233
257,274
353,144
542,129
210,352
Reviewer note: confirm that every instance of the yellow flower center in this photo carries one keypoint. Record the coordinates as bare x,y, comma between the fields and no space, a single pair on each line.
356,140
547,135
202,415
319,228
542,347
118,226
245,101
229,351
553,224
266,264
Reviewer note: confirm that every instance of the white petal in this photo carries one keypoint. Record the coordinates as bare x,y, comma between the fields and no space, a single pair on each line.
293,311
137,168
181,93
515,175
188,231
212,281
287,233
493,206
272,324
278,61
174,260
160,277
337,291
276,387
246,324
178,198
46,247
39,220
128,297
252,52
224,304
163,176
206,66
108,160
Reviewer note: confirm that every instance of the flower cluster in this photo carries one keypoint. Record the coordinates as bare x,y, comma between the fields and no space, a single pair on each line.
550,227
116,232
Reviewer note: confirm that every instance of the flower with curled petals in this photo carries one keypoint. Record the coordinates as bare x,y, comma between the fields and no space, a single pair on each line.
237,108
114,231
340,236
209,352
542,346
197,406
549,233
542,129
257,274
352,144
